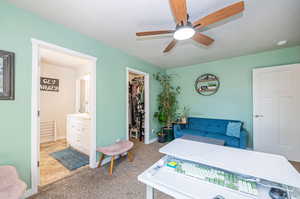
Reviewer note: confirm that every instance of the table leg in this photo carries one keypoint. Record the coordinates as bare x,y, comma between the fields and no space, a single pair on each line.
149,192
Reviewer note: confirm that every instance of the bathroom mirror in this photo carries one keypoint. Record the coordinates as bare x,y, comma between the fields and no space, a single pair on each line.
83,94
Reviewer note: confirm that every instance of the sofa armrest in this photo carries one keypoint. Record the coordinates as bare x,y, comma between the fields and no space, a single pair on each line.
177,131
243,139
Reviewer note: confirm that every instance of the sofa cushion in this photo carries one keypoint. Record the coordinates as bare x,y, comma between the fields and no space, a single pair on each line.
195,123
229,141
234,129
208,125
193,132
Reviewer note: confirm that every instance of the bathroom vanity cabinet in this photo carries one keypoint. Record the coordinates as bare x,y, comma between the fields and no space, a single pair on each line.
79,132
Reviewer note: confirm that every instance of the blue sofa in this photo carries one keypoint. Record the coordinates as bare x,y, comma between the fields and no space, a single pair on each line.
213,128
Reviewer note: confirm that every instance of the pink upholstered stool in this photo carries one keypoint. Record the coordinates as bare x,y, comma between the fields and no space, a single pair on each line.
114,150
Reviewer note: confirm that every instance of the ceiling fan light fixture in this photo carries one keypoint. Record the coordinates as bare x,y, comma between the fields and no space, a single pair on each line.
184,32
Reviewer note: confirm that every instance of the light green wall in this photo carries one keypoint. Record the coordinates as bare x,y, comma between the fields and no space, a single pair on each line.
233,101
234,98
17,29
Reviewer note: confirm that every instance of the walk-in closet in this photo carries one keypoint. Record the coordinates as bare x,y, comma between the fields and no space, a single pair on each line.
136,106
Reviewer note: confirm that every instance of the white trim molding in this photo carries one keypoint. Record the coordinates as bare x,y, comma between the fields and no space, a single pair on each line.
34,119
147,103
47,45
153,140
28,193
36,45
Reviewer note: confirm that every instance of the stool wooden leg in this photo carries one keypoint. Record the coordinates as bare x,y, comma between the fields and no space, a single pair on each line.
130,156
111,165
101,159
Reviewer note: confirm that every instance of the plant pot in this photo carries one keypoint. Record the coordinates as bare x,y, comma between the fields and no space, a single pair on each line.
162,138
169,133
183,120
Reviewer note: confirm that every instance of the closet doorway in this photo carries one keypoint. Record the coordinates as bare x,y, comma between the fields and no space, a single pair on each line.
137,106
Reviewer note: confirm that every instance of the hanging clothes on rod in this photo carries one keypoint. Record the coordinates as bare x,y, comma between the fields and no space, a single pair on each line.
136,108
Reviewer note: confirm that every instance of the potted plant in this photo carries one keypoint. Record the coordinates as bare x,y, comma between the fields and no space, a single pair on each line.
167,104
184,115
162,137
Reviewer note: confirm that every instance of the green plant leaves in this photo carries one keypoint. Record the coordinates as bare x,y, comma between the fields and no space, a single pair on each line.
167,100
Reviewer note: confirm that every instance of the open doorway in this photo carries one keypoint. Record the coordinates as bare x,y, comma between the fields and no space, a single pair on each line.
137,122
63,113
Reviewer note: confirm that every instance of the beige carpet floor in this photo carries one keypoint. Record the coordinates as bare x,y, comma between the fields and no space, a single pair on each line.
97,184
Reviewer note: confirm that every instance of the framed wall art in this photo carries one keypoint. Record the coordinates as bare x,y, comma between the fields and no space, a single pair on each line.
207,84
49,84
7,70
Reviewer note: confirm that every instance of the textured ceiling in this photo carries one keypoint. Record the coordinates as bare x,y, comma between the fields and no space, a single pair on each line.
114,22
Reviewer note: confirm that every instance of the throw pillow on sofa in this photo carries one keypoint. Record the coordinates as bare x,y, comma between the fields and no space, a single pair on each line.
234,129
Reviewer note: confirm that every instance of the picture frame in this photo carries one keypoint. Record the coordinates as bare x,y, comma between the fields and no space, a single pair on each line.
7,75
207,84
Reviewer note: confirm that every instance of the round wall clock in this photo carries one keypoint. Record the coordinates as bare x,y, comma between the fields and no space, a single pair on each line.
207,84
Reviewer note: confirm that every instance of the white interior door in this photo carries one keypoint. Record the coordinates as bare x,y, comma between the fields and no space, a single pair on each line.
276,102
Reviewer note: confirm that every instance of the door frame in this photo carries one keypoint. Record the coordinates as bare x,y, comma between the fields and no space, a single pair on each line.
147,103
35,126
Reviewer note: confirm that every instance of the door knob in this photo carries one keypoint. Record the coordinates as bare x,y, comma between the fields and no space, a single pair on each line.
256,116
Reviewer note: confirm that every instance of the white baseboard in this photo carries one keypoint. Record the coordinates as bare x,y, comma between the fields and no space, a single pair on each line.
61,137
58,138
152,140
28,193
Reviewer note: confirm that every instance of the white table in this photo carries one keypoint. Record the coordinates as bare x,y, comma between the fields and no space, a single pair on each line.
261,165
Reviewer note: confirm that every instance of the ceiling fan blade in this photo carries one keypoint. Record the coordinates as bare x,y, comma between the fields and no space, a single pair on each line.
220,15
154,32
170,46
179,10
202,39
